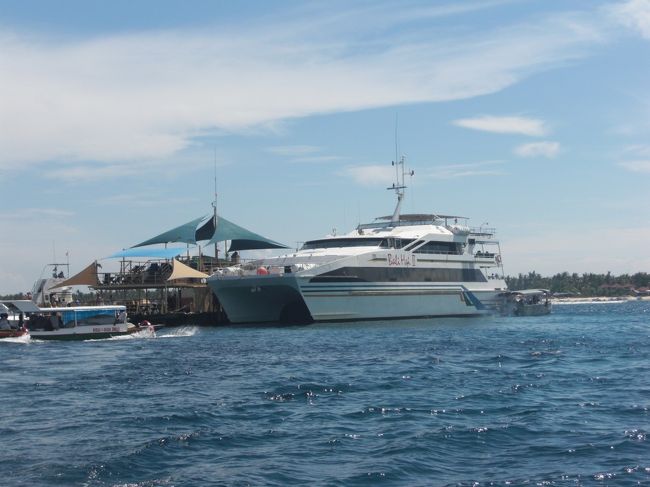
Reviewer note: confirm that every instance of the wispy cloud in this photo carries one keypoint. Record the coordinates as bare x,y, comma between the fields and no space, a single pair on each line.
505,125
634,14
30,214
636,166
303,154
164,168
538,149
371,175
638,150
293,150
149,95
316,159
146,200
453,171
637,158
91,172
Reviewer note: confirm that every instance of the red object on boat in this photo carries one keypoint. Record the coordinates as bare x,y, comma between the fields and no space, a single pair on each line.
262,271
13,333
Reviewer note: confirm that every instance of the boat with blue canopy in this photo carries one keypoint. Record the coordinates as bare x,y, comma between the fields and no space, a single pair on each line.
74,322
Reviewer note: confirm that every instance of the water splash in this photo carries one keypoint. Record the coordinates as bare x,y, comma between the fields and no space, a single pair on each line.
24,339
182,331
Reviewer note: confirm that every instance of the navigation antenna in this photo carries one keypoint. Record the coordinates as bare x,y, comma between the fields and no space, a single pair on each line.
399,186
214,205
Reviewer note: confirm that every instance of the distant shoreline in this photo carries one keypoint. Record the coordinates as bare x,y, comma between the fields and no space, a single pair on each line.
598,299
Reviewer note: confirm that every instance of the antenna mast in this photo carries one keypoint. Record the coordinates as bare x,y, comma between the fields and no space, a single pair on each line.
399,187
214,205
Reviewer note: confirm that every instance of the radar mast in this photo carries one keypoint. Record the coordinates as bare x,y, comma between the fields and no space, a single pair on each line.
399,186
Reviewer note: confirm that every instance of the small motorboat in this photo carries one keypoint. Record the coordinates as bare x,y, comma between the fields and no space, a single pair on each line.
81,323
526,302
70,322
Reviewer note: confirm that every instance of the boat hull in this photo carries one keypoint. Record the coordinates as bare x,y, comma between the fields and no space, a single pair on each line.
288,298
264,299
85,332
533,310
386,300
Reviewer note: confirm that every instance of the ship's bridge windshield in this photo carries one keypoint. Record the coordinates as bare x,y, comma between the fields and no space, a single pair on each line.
331,243
383,243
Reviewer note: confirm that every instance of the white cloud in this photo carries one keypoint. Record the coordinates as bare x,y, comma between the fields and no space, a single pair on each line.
94,172
636,166
307,154
639,150
505,125
538,149
148,200
164,168
34,214
634,14
145,96
453,171
293,150
316,159
371,175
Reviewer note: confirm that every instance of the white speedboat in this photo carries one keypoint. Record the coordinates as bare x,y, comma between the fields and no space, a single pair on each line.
400,266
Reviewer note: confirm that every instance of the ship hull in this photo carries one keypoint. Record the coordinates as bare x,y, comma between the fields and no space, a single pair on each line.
288,299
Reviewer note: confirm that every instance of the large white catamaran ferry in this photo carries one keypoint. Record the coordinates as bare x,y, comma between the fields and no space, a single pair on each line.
399,266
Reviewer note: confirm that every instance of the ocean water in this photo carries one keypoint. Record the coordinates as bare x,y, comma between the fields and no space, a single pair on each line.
553,400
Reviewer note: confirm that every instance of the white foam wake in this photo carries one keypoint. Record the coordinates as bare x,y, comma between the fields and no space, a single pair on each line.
181,331
24,339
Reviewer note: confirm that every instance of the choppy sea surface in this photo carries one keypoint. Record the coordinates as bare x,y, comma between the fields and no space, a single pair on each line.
553,400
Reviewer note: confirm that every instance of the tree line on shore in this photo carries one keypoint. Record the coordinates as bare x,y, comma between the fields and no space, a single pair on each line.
587,284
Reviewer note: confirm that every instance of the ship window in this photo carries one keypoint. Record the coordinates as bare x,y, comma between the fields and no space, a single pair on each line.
397,243
330,243
400,274
67,317
414,244
400,243
439,248
100,317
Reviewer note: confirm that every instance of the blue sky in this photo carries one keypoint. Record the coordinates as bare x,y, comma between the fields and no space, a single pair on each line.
533,116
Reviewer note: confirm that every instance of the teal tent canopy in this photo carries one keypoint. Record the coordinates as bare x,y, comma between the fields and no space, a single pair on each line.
183,233
157,253
201,229
241,238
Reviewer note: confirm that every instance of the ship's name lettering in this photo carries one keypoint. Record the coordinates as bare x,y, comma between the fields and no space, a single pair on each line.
401,260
